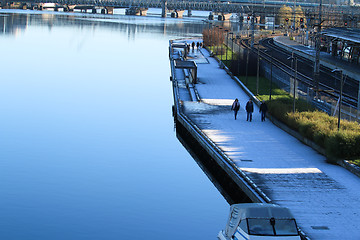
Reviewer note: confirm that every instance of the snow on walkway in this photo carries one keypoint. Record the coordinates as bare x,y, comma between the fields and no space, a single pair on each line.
324,198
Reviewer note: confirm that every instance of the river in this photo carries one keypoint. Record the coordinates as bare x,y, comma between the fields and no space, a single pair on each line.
88,148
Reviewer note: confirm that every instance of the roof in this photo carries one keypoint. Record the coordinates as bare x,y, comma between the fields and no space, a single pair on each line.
347,34
185,64
254,210
262,210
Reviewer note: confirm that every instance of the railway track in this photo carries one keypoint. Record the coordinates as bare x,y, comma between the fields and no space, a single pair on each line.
329,82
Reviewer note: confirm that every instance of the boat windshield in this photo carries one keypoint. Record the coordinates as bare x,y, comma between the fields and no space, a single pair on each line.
272,227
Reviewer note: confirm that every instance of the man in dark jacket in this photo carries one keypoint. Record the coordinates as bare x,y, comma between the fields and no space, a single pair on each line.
235,107
249,110
263,110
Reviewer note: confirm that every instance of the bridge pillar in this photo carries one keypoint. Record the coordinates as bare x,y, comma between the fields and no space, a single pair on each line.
211,16
189,13
224,16
110,10
143,11
177,13
136,11
93,10
103,11
163,8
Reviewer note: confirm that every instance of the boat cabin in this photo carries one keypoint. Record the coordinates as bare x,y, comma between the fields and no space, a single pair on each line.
260,221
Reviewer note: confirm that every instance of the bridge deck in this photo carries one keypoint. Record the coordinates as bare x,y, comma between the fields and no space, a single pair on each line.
324,198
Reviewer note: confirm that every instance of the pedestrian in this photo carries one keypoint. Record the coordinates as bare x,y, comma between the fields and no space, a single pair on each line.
193,45
235,107
249,110
197,45
263,110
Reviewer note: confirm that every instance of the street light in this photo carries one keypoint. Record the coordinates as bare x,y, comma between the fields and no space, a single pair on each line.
210,33
232,45
227,40
340,98
292,58
238,56
220,31
271,71
258,68
216,39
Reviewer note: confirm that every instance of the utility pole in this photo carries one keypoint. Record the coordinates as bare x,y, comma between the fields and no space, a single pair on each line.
341,93
247,65
294,17
163,8
252,30
317,55
258,68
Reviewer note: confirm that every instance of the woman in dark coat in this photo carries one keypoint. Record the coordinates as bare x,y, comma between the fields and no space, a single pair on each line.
235,107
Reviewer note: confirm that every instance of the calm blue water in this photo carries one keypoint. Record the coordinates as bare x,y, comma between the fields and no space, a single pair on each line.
87,142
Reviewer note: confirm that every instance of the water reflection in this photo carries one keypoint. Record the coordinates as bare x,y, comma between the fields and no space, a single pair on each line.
12,23
187,27
87,147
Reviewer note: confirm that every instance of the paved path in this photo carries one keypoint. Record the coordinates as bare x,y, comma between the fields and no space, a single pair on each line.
324,198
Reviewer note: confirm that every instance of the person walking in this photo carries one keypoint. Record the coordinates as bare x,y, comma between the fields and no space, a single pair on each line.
249,110
235,107
263,110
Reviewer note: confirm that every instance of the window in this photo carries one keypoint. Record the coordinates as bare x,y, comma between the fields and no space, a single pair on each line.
243,225
285,227
260,227
274,227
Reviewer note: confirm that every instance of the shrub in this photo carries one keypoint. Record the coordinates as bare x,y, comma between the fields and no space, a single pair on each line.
312,124
343,145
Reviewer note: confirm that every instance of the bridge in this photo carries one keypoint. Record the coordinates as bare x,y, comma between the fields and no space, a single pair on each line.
221,8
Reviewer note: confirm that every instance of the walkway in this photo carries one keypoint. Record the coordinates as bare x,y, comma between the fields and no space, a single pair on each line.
324,198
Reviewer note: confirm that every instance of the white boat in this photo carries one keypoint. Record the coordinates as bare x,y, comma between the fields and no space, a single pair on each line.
259,221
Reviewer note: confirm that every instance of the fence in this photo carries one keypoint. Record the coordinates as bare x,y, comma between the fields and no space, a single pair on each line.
283,76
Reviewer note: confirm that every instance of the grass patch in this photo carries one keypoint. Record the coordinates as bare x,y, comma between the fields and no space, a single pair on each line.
356,162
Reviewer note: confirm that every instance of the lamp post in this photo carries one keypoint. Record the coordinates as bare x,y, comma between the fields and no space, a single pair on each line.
216,38
294,17
238,56
271,69
220,32
210,33
340,98
258,68
273,27
292,58
232,45
227,40
247,65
